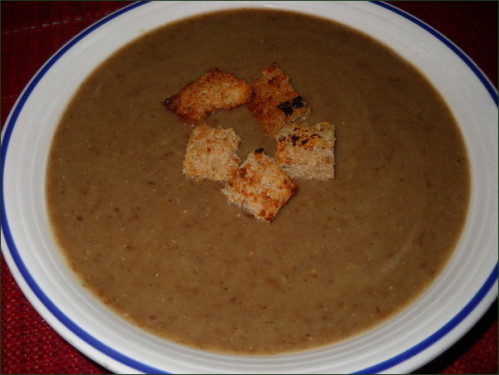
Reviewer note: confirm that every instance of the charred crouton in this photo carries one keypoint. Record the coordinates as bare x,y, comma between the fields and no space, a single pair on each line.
211,153
275,102
307,151
214,91
259,186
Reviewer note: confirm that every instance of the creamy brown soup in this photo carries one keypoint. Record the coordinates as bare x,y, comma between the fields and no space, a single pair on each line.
173,257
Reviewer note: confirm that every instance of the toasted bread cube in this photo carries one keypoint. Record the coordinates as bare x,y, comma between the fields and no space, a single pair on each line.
259,186
214,91
275,102
211,153
307,151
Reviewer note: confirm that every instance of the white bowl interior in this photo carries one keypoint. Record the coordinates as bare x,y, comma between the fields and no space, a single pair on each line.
458,297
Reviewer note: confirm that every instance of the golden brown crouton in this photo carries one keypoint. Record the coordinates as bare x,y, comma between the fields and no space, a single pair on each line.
307,151
211,153
259,186
214,91
274,102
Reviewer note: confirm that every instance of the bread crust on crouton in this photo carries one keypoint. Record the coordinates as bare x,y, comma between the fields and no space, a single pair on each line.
214,91
274,102
211,153
307,151
259,186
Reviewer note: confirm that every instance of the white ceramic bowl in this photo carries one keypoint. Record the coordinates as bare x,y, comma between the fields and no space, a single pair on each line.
454,302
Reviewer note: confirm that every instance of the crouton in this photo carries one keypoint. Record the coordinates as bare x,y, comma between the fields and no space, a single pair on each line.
274,102
307,151
211,153
214,91
259,186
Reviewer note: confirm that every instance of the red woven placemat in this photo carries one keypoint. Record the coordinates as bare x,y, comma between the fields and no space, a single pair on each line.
33,31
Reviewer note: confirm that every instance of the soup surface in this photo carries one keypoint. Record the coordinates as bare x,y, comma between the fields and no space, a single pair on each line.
172,256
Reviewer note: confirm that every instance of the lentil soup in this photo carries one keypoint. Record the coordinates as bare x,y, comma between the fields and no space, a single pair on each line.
173,257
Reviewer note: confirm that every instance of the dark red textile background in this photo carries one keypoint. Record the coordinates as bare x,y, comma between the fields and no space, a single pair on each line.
33,31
